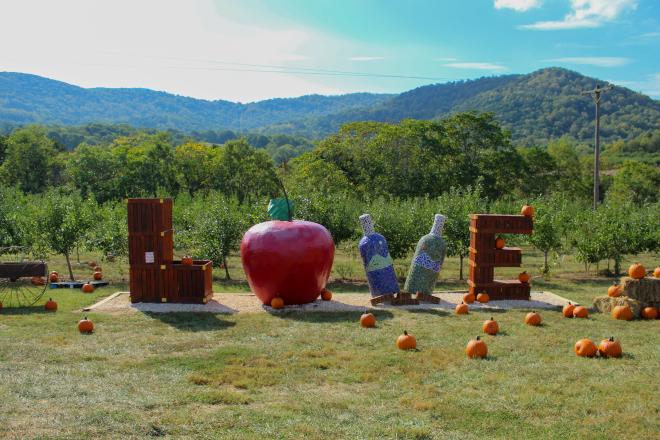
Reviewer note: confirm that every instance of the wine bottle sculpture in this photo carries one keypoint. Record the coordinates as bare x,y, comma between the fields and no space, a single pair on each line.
427,261
377,260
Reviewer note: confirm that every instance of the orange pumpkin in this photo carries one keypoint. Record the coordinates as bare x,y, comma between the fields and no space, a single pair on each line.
580,312
491,327
98,276
406,341
462,308
476,348
623,313
649,313
187,261
656,272
527,211
523,277
92,264
468,298
368,320
50,305
637,271
98,269
610,348
533,318
585,348
87,288
567,311
54,277
483,297
326,295
277,303
38,281
500,243
614,290
85,325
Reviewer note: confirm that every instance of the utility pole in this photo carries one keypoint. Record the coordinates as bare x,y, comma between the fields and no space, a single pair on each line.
595,95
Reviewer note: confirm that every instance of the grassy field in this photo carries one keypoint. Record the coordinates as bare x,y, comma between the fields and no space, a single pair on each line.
318,376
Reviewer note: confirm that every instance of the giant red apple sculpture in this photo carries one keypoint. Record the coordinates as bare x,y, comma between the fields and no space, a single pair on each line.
289,259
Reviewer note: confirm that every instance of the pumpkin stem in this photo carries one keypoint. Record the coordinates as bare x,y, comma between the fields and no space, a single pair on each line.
569,303
478,338
405,333
491,318
612,338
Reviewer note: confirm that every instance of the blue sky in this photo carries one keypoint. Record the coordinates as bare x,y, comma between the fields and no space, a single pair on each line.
255,49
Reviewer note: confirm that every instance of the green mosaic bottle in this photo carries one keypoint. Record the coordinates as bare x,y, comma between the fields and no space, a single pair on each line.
428,259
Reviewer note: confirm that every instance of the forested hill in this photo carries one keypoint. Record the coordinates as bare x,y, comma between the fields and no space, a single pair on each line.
28,98
534,107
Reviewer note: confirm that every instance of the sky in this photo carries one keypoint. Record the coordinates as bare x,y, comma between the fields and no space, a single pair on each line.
251,50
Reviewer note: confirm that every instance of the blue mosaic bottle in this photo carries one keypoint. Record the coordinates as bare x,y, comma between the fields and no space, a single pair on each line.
428,259
377,260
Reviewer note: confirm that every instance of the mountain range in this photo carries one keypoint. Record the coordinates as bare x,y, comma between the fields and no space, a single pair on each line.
534,107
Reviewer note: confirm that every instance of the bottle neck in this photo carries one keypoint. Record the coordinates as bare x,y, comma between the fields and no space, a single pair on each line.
367,224
438,224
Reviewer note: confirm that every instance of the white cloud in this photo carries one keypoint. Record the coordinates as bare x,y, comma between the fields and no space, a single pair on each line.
517,5
586,14
363,58
592,61
477,66
190,48
649,85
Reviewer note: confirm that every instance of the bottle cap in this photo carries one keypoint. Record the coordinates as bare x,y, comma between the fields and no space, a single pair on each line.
367,224
438,223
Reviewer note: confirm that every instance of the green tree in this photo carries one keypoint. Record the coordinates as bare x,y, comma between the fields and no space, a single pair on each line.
147,164
64,222
547,236
636,182
457,205
571,176
218,232
16,218
243,171
193,165
95,170
538,175
3,148
27,160
110,231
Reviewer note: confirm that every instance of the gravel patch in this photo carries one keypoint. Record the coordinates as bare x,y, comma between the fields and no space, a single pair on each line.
229,303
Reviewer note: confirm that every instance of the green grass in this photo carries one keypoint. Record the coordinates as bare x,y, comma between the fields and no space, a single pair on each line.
319,376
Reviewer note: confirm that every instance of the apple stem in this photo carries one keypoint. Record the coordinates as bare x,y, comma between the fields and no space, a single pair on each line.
286,197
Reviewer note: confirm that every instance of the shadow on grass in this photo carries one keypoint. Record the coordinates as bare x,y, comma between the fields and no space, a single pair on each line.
329,317
343,286
192,322
28,310
488,310
436,312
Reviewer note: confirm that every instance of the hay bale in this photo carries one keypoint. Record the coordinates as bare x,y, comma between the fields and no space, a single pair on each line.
605,304
646,290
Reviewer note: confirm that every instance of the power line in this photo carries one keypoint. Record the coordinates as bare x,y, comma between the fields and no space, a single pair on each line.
298,72
273,68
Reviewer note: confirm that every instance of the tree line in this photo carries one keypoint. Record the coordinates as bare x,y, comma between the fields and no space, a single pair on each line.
56,200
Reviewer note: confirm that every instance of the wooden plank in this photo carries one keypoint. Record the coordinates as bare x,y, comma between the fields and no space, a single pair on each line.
103,301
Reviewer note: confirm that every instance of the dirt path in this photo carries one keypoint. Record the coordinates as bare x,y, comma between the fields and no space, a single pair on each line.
342,302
